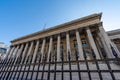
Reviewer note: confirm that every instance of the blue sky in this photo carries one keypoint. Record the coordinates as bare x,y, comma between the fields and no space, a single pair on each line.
22,17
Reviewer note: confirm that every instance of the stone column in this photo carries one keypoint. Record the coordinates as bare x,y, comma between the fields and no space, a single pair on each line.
68,44
92,43
11,52
24,53
42,49
105,46
108,41
15,52
8,53
29,51
99,45
115,47
35,51
58,48
50,48
18,53
79,43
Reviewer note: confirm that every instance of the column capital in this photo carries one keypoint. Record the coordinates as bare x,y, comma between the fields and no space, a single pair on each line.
77,29
58,47
58,34
87,28
100,24
67,32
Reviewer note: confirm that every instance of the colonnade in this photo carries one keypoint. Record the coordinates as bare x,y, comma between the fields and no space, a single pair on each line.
24,50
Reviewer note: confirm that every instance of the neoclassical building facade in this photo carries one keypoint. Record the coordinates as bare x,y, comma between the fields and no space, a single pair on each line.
79,38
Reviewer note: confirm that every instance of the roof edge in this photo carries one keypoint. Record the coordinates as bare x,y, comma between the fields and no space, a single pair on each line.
66,23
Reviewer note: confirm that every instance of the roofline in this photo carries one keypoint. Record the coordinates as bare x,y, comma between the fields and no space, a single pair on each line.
116,30
64,24
113,32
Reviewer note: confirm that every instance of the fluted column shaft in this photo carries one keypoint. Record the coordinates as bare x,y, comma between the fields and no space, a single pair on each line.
42,49
68,45
58,48
35,51
11,52
18,53
79,43
8,53
15,52
29,51
105,46
24,52
92,43
50,48
108,42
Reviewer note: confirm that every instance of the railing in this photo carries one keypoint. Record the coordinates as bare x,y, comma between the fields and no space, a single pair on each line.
95,69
